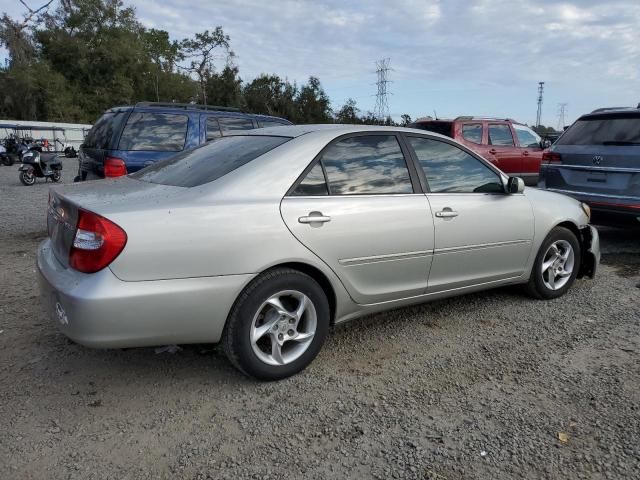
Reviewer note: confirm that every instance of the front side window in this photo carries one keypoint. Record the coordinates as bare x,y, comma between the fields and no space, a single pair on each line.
527,138
208,162
370,164
500,134
472,132
231,124
451,170
159,132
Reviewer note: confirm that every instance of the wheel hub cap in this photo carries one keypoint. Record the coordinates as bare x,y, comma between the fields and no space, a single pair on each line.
558,264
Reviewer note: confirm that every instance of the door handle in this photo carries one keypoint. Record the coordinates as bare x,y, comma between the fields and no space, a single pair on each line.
493,151
525,153
447,214
314,217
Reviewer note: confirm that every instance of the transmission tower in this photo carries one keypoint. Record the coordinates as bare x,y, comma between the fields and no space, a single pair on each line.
540,91
562,114
381,111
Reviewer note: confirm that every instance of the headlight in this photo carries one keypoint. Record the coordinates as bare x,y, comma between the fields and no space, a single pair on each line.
587,210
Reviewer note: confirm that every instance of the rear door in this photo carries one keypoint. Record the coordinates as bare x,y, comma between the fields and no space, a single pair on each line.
356,209
482,234
503,152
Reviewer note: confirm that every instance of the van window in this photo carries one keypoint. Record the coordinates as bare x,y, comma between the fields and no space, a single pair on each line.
159,132
105,131
500,134
472,132
230,124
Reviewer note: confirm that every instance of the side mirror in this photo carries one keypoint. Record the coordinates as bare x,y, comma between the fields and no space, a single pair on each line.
545,143
515,185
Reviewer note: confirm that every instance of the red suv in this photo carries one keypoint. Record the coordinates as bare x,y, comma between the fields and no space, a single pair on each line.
513,147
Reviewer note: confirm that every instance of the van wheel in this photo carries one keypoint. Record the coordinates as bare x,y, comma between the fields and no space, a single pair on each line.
556,266
277,326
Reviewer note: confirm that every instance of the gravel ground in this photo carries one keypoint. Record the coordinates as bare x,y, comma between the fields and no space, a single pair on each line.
491,385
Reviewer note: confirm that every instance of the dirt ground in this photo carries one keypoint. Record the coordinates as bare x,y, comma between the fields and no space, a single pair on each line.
492,385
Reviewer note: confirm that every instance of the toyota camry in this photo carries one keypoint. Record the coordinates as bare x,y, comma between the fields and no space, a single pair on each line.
262,240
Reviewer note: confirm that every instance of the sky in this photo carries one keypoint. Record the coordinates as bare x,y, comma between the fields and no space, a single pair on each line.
454,57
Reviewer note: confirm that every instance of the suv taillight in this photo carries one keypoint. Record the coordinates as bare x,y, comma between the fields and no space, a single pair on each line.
96,244
114,167
551,157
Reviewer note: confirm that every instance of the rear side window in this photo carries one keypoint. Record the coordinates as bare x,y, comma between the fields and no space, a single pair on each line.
472,132
213,129
158,132
500,135
209,162
371,164
451,170
270,123
313,184
609,130
231,124
105,131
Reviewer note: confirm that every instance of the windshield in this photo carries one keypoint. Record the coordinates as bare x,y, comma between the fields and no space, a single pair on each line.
209,162
610,130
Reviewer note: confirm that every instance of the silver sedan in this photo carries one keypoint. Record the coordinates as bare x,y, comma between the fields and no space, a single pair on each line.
263,240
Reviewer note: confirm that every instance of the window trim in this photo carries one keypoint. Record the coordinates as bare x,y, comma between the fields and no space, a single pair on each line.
206,127
413,177
144,112
423,177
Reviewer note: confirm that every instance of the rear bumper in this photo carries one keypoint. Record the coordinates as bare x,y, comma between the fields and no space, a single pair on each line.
100,310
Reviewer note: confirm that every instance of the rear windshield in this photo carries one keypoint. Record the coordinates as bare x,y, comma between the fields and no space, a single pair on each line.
443,128
609,130
209,162
105,131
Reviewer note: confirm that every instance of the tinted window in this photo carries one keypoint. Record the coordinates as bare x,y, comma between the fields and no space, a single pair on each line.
443,128
472,132
154,131
104,132
450,169
313,184
500,135
526,136
270,123
230,124
209,162
610,130
369,164
213,129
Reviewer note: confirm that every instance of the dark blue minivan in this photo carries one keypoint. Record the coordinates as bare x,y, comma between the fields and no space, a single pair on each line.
126,139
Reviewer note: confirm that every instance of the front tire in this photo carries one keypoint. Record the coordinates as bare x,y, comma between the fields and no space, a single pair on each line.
27,177
277,326
57,175
556,266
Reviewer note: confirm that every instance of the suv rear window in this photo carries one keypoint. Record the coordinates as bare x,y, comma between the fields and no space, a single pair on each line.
209,162
607,130
104,132
443,128
158,132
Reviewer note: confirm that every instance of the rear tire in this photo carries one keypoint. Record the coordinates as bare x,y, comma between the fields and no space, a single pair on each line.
556,266
277,325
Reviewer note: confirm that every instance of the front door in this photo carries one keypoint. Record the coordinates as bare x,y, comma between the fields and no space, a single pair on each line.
503,152
531,150
482,234
357,211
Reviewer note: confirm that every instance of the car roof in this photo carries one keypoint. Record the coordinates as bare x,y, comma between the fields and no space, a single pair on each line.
612,112
182,108
336,129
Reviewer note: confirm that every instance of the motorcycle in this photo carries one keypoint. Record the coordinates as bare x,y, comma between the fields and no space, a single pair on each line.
5,154
35,165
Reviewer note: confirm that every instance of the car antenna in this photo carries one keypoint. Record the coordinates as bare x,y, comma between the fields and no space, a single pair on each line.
435,113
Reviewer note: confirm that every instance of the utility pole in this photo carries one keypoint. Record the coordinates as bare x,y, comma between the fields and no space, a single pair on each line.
381,111
562,113
540,91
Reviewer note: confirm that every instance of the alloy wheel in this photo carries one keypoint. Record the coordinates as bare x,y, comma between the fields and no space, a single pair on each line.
557,265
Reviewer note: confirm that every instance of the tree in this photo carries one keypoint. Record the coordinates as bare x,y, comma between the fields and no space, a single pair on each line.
312,103
201,53
405,120
348,113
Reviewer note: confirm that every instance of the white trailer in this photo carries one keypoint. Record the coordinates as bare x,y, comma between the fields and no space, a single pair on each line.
60,137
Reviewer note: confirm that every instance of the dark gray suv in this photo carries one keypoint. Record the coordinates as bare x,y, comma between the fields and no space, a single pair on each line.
597,161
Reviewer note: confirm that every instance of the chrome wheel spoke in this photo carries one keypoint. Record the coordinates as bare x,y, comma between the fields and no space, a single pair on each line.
301,308
302,337
277,305
548,264
552,280
276,352
564,273
263,329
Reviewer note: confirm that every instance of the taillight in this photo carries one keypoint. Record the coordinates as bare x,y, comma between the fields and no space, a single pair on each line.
551,157
96,244
114,167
